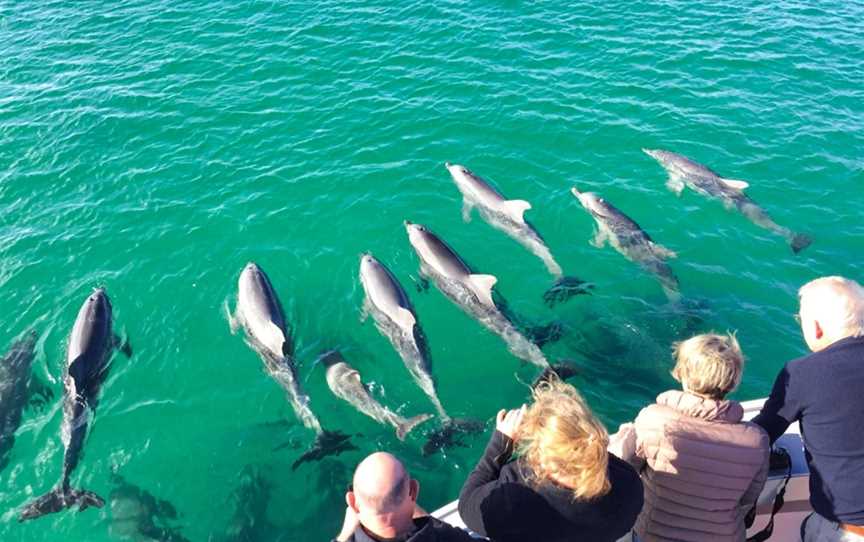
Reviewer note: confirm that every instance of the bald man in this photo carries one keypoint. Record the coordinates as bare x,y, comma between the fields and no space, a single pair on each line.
824,391
382,505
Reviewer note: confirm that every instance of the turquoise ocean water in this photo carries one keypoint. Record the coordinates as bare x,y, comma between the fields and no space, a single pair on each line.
156,147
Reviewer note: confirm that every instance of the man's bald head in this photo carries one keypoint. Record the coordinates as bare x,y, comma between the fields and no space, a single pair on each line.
381,483
383,496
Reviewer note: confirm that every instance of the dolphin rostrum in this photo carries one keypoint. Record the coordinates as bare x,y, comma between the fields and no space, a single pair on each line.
17,388
260,314
88,357
629,239
394,317
345,383
685,172
472,292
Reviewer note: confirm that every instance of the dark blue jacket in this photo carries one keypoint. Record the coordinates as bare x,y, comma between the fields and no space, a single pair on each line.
825,392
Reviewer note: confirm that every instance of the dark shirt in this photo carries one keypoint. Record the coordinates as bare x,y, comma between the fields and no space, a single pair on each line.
426,529
825,392
498,502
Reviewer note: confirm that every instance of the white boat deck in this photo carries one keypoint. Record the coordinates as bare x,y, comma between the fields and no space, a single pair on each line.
786,522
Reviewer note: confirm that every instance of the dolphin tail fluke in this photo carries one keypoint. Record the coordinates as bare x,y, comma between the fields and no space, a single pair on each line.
448,435
559,371
59,499
799,242
327,443
565,288
404,426
566,369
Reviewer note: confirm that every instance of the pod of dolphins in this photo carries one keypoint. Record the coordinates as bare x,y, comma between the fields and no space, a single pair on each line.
259,313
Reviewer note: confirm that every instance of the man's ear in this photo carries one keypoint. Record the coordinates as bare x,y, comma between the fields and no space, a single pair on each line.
414,489
351,501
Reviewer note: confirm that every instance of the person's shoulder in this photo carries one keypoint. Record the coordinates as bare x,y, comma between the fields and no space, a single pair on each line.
441,531
514,489
748,434
801,363
659,413
802,369
512,473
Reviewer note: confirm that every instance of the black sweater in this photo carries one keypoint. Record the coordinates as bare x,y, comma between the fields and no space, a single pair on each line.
825,392
426,529
497,502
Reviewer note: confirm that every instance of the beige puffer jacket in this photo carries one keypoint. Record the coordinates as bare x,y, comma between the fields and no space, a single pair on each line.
705,467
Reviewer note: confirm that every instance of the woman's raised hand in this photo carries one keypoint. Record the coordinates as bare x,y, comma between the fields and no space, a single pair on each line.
508,421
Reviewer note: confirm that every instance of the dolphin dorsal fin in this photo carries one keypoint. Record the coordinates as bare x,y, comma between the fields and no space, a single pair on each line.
78,371
405,319
735,183
482,286
515,208
276,338
275,330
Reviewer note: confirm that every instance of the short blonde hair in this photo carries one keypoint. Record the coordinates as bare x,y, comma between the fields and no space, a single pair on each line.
837,303
561,440
709,364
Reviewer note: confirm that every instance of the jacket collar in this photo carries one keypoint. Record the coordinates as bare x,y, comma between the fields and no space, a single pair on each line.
360,534
700,407
841,343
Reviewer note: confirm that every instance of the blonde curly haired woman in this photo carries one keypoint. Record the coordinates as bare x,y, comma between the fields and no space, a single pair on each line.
563,484
702,467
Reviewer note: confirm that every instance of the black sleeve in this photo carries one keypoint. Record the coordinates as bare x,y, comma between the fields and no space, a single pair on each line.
781,408
483,480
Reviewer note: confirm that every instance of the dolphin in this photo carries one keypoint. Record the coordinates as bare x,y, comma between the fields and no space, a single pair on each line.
251,499
260,314
470,291
629,239
344,381
138,515
508,216
685,172
394,317
503,214
88,357
17,388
